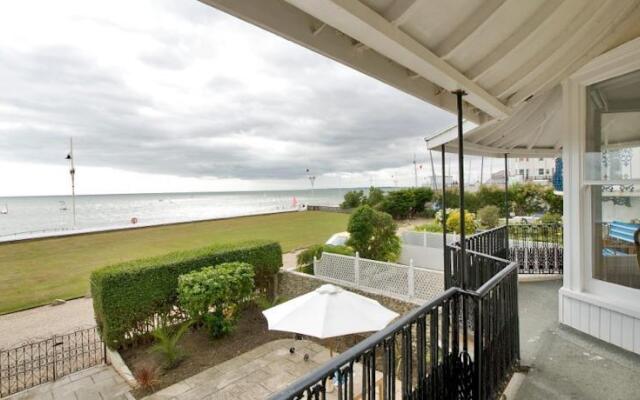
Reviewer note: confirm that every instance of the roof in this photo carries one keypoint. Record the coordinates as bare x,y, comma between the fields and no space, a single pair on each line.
507,55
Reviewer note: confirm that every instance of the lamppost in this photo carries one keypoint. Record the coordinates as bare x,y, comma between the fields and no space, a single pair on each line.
72,172
312,181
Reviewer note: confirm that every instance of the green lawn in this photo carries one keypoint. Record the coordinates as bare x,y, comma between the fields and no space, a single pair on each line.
36,272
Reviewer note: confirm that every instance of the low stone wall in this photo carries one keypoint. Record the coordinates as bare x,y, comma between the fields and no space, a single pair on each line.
328,208
292,284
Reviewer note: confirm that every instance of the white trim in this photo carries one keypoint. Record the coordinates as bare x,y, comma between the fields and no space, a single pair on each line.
578,281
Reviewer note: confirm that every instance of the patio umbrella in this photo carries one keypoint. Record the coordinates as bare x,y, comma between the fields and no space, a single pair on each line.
327,312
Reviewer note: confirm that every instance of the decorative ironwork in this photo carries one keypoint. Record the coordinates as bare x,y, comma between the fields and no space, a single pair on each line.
48,360
537,248
463,344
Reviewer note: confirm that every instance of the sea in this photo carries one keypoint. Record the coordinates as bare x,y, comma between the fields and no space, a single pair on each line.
38,216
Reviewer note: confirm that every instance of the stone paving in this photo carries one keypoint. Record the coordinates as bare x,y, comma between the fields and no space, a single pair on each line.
254,375
97,383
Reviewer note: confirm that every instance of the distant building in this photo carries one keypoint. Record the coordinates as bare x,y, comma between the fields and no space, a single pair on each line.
533,169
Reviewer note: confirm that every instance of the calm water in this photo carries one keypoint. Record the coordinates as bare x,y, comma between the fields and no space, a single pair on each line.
30,216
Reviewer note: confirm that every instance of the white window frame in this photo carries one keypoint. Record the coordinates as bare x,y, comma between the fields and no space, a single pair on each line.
577,202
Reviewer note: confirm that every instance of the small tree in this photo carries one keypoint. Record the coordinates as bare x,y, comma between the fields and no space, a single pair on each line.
352,199
375,197
421,196
399,204
489,216
453,222
373,234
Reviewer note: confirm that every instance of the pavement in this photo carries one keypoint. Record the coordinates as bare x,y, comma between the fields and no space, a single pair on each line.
258,374
99,383
43,322
565,363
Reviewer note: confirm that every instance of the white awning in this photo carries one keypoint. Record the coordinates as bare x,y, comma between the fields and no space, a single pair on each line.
508,55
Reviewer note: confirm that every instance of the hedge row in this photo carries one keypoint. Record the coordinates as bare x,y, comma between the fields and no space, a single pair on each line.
129,298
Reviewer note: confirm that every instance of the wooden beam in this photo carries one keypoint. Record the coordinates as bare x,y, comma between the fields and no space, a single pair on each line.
487,151
525,31
400,10
577,30
464,30
365,25
283,19
619,25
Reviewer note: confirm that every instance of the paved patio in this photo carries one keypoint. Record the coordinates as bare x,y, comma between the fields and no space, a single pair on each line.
566,364
254,375
97,383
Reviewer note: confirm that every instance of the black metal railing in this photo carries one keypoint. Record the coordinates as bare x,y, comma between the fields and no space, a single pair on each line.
536,248
48,360
461,345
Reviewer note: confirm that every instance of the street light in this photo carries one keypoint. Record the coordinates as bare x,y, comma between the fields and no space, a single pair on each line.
72,172
312,180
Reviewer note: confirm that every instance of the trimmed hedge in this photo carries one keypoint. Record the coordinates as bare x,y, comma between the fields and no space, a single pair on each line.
129,298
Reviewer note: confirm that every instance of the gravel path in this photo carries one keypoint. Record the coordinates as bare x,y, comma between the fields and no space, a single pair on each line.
43,322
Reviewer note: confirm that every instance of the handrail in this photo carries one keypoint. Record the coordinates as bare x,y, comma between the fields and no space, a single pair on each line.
458,311
363,347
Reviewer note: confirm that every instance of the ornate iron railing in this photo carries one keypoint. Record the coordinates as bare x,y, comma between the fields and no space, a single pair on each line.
461,345
48,360
536,248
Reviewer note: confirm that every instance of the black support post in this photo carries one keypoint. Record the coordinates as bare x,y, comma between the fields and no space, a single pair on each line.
463,259
443,208
506,202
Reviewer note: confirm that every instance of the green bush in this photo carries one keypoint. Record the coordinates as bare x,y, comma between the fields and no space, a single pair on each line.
399,204
352,199
127,297
375,197
489,216
550,218
453,222
421,196
306,257
211,296
373,234
430,227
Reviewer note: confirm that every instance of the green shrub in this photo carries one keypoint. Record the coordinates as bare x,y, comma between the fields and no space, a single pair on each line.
399,204
166,343
489,216
306,257
453,222
375,197
212,295
550,218
352,199
430,227
373,234
127,297
421,196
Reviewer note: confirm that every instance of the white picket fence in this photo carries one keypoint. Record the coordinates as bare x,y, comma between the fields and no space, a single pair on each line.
384,277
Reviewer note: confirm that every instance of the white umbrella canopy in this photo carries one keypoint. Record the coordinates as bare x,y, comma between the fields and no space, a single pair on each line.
329,311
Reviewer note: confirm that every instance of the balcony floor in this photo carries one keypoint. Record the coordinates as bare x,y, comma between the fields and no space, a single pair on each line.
565,363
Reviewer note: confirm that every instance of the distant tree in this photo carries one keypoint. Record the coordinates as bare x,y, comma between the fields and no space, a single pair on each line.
399,204
375,197
421,196
489,216
352,199
373,234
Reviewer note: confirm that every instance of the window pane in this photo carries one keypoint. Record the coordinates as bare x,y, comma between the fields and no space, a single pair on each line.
613,154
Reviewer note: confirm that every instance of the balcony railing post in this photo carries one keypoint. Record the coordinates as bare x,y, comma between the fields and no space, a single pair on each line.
477,349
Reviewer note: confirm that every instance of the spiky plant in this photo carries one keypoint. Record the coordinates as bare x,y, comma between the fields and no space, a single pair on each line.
166,343
147,376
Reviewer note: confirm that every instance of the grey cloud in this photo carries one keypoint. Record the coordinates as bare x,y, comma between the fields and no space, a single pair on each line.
333,120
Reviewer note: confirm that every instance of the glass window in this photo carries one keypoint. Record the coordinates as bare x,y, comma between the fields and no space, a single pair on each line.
612,170
540,171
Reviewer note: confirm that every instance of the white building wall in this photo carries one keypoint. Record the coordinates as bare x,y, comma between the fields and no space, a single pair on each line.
607,311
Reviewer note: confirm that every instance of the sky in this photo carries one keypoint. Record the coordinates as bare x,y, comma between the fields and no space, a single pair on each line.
173,95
